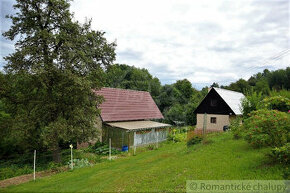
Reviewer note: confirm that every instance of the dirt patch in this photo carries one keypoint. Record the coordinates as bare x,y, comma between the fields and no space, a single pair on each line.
28,177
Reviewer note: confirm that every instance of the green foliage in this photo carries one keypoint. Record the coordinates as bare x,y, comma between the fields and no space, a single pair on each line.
283,93
236,127
263,82
276,103
130,77
50,93
14,170
79,163
184,91
151,147
250,103
176,113
194,140
280,79
100,148
176,137
267,128
281,154
240,86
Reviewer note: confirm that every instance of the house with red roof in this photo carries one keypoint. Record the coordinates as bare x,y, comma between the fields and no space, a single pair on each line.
128,116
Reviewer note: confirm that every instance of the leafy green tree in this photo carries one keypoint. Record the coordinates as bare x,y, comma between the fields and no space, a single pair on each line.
184,89
240,86
262,86
195,100
175,114
215,85
56,57
280,79
251,103
130,77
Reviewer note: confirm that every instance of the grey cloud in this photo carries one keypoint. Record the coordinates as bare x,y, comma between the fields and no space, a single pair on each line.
222,46
130,55
269,15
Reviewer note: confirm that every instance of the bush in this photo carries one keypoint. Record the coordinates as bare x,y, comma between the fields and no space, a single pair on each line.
276,103
194,140
53,166
178,137
190,128
267,128
281,154
236,128
251,103
14,170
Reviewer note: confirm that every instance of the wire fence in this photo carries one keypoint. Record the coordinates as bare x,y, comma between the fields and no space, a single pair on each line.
34,161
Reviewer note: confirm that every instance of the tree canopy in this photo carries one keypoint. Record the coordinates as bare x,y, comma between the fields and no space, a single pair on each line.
55,56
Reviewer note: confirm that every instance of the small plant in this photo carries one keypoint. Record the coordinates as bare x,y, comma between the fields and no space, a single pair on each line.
151,147
79,163
104,150
53,166
190,128
281,154
194,140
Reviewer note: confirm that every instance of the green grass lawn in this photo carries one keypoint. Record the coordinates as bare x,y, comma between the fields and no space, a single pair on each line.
165,169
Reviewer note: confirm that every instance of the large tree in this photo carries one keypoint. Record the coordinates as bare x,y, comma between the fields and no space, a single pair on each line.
57,57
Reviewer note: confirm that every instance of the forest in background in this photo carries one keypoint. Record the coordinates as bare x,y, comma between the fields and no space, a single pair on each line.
46,98
178,101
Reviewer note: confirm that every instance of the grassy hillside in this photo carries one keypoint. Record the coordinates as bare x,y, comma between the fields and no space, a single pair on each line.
165,169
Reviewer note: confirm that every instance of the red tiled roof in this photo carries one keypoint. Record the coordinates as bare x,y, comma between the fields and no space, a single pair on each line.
126,105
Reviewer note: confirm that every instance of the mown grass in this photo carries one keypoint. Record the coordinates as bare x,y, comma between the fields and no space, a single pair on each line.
165,169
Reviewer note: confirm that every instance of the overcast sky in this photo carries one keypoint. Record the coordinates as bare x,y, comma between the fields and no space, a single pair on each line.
204,41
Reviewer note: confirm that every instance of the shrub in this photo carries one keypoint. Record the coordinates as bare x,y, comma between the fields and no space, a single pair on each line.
267,128
194,140
14,170
178,137
251,103
276,103
190,128
236,128
53,166
281,154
